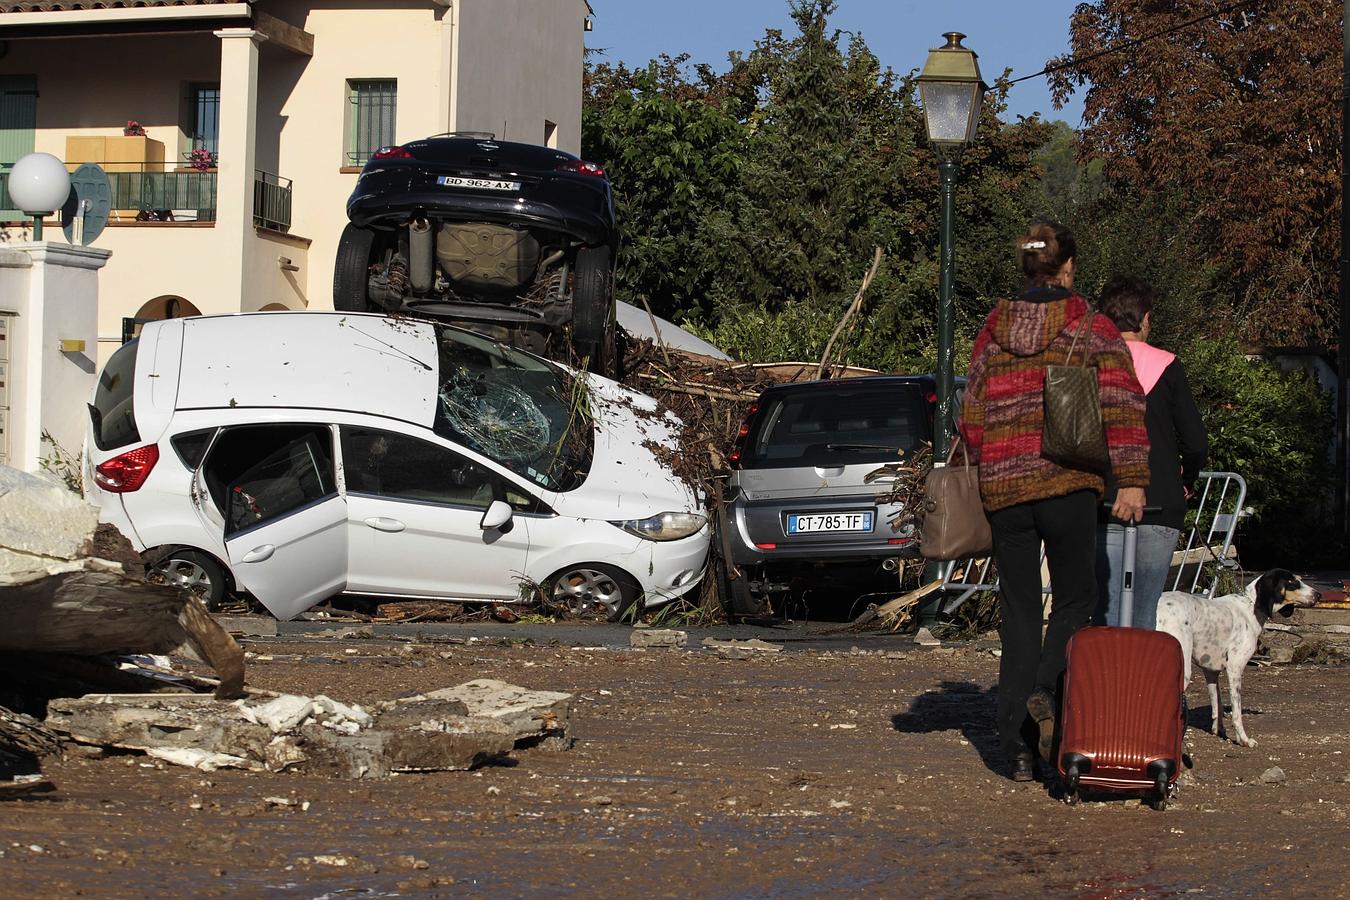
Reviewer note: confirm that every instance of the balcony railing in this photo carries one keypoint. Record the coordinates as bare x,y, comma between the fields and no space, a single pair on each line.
143,191
271,201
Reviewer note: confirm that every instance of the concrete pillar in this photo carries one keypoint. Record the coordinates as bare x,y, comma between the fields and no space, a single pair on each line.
238,144
50,291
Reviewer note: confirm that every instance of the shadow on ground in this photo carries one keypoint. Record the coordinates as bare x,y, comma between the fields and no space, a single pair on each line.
957,706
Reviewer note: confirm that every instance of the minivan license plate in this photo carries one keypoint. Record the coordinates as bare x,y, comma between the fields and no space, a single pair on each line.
486,184
806,523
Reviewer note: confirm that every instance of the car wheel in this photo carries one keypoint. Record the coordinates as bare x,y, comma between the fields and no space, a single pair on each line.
351,274
594,591
594,334
195,572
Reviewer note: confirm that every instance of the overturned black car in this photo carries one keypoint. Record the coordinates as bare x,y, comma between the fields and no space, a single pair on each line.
514,240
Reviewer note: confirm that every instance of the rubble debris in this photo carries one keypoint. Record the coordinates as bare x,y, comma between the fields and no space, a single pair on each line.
733,649
44,528
657,638
924,638
453,728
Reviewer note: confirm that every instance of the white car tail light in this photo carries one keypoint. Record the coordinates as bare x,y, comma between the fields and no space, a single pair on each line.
126,473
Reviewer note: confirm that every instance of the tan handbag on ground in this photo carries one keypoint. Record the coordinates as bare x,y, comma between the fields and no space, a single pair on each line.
1072,435
954,525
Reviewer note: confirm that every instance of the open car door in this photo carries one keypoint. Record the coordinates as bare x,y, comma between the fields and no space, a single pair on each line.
285,522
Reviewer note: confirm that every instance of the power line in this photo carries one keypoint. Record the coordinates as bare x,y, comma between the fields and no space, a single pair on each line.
1133,42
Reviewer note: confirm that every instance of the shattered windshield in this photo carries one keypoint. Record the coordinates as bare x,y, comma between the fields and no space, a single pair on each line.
514,409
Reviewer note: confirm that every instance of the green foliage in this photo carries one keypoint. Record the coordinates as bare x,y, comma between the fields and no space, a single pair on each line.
1273,428
753,200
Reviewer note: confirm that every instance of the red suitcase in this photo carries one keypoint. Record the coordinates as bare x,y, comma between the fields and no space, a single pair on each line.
1123,715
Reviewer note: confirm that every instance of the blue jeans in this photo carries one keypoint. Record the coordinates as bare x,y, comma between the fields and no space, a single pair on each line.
1152,559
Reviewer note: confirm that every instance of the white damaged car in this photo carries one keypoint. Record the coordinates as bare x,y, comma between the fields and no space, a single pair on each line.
299,455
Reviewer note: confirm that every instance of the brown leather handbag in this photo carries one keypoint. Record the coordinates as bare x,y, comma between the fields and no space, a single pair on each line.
954,525
1072,434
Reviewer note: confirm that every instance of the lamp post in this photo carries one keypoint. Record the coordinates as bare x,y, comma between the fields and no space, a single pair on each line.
951,92
39,185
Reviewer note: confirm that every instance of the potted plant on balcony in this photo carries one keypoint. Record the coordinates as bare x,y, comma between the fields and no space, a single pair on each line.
133,129
202,159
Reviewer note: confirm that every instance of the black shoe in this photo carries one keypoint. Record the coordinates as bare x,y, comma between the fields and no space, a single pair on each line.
1023,768
1042,708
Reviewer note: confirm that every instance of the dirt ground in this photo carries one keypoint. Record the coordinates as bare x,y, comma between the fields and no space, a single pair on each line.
801,773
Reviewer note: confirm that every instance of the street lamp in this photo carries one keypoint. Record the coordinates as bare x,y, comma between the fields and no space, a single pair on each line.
39,185
950,91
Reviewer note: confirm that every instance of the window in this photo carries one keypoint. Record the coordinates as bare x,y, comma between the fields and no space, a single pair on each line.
113,410
839,425
259,473
371,109
551,134
388,464
204,118
191,446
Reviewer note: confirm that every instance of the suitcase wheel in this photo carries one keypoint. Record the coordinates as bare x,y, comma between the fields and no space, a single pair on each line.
1161,770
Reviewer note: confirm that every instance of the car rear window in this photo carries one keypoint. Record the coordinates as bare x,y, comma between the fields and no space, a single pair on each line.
836,427
112,412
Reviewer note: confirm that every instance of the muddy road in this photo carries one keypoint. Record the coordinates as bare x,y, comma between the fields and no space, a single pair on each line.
802,773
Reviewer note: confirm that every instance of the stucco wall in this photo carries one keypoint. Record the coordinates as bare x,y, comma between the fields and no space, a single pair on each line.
541,42
94,85
304,102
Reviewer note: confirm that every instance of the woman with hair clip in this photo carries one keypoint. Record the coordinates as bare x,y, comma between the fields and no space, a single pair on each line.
1032,501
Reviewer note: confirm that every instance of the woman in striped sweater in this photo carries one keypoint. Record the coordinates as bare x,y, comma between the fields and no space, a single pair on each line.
1031,500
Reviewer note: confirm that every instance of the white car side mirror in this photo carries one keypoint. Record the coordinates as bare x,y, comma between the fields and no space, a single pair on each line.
496,515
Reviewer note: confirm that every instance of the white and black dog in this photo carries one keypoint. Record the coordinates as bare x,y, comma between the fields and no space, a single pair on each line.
1221,634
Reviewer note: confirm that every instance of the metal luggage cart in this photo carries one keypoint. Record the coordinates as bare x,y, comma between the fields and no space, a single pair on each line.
1223,496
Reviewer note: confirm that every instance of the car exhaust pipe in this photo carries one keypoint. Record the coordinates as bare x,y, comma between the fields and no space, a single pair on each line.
421,255
890,564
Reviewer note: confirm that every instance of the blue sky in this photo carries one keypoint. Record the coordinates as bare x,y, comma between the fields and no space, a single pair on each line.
1016,34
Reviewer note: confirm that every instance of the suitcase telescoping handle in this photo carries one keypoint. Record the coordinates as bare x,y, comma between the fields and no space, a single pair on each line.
1127,568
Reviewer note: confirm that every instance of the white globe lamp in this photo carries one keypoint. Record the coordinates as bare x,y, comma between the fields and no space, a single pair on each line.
39,185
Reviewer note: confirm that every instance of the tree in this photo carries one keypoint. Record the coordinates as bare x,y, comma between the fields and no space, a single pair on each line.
1228,131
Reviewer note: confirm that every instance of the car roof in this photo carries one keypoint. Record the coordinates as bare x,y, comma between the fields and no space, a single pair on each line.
826,385
316,360
509,152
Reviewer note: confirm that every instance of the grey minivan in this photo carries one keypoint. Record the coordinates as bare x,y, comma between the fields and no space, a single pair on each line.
799,509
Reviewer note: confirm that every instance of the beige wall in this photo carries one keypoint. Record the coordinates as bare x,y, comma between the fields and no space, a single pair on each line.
94,85
518,64
304,102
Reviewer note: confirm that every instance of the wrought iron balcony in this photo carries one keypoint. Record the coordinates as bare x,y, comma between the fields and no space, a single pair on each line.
271,201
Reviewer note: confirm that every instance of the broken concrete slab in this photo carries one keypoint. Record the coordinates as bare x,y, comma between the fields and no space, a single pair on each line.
733,649
666,638
455,728
532,715
41,524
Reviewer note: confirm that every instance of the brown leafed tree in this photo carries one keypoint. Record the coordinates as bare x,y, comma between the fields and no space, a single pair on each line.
1230,128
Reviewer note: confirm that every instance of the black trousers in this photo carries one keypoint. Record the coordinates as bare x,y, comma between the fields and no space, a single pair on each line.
1068,527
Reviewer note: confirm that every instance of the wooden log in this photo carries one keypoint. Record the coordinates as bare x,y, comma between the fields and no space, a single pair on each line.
91,613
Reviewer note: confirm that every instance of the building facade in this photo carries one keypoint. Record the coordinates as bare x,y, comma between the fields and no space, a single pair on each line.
233,132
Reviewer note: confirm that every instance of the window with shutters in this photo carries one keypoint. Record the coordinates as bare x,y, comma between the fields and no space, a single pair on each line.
18,122
371,113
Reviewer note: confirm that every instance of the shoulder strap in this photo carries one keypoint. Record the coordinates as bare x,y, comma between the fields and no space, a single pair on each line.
1083,323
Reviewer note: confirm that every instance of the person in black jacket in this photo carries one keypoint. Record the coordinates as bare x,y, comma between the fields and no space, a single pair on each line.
1177,451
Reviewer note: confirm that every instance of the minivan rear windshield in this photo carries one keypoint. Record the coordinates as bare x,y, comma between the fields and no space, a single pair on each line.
513,408
838,426
112,413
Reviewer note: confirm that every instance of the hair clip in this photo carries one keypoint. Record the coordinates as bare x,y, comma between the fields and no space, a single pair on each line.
1034,245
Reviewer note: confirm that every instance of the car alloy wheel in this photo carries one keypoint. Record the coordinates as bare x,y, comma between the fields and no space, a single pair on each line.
195,573
594,591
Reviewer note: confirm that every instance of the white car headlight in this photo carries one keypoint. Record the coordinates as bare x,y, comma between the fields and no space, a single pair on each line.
666,526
